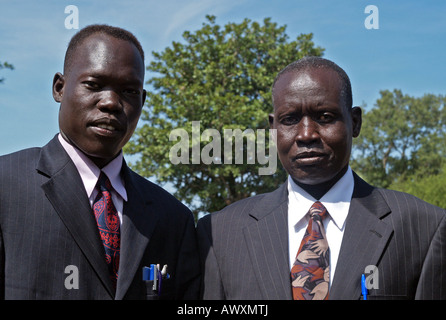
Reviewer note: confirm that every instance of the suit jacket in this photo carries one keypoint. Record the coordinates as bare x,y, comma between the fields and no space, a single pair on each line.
47,225
244,248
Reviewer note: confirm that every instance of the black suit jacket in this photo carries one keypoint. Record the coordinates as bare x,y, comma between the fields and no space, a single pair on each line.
244,248
47,224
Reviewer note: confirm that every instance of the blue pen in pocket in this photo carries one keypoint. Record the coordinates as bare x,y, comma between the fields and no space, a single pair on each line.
363,287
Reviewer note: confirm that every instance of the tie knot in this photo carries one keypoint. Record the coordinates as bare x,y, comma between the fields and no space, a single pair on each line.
318,210
104,183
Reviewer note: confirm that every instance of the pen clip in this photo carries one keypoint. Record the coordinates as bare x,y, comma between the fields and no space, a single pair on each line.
155,274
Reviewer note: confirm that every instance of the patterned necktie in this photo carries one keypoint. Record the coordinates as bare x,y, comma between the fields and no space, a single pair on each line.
108,223
310,273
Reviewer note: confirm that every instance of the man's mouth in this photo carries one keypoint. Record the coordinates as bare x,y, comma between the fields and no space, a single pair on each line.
106,127
309,157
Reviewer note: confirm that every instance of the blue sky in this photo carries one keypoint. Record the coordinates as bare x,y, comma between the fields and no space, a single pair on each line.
407,51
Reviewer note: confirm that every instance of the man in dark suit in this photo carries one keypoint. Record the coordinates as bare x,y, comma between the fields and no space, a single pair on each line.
318,233
53,243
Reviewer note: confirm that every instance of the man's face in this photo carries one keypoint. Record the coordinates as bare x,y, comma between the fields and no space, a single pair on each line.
101,96
314,128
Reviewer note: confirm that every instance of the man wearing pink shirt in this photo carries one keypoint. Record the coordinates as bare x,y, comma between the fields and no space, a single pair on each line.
52,245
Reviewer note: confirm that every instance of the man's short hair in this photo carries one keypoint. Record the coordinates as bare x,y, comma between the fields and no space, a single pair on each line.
86,32
315,63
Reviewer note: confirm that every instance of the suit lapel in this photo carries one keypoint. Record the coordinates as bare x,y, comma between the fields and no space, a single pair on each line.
267,241
66,192
138,224
364,240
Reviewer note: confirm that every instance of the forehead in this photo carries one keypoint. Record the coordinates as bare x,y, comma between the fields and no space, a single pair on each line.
308,82
102,53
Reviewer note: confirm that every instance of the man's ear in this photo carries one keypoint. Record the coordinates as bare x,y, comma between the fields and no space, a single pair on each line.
271,120
144,93
58,86
356,121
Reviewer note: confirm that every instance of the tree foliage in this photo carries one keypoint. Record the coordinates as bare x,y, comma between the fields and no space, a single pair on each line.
431,187
402,144
220,76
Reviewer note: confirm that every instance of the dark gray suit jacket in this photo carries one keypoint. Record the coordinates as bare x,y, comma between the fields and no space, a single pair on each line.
244,248
47,224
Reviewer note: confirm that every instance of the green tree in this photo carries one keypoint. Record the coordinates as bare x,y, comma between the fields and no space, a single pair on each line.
431,188
5,65
403,139
220,76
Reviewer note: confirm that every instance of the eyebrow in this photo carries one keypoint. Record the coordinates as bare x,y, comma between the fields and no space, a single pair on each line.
129,81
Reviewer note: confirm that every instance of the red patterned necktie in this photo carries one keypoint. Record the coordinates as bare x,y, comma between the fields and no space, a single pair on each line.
109,226
310,273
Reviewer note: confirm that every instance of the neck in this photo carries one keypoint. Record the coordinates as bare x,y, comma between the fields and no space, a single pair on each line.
99,162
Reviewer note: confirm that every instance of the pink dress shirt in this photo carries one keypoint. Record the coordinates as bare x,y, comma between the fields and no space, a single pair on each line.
89,173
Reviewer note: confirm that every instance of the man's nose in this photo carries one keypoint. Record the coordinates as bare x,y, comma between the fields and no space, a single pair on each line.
307,130
110,101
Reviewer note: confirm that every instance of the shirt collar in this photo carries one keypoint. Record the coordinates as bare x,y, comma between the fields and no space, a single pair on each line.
89,172
336,200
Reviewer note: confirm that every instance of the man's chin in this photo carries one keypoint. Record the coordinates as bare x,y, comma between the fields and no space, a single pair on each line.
99,155
310,176
316,177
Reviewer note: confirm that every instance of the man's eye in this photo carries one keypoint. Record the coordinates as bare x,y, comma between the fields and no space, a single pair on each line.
289,120
326,117
92,85
132,91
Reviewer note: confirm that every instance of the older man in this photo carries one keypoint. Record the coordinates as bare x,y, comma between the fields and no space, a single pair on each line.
324,228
